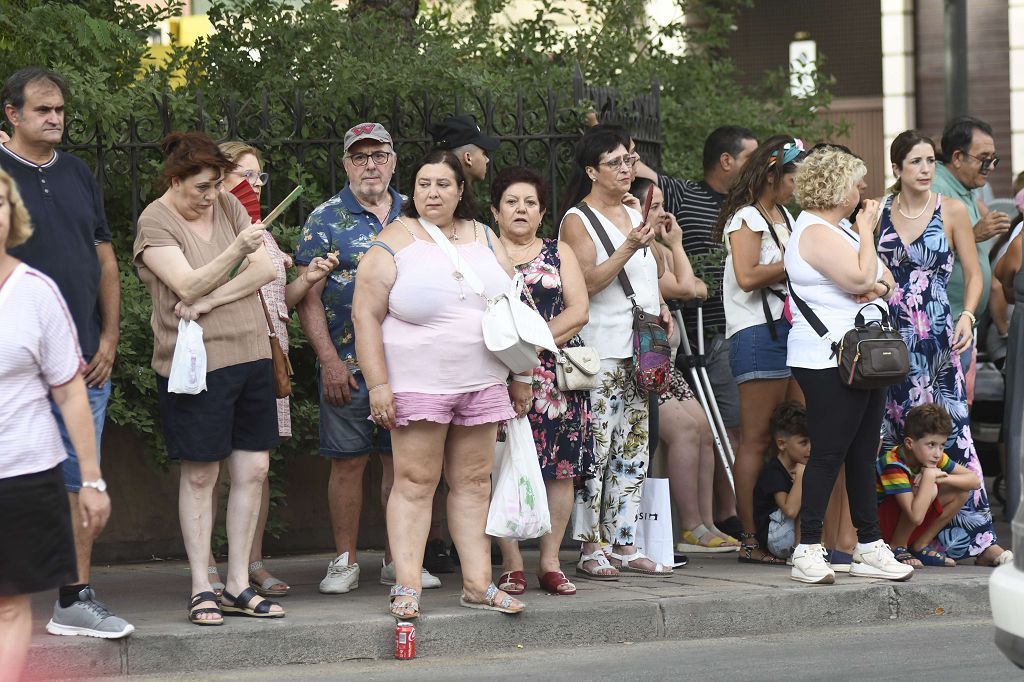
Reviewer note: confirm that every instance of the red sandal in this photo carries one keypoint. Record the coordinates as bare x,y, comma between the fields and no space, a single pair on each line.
513,582
552,581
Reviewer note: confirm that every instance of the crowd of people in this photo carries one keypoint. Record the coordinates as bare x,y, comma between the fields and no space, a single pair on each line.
391,289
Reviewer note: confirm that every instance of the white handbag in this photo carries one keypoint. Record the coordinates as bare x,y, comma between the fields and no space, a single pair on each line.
577,368
512,330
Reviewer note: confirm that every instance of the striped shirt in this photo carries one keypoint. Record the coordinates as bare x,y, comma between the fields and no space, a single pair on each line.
38,350
696,207
895,474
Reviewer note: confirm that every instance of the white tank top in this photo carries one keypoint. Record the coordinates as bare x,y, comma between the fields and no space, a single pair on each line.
610,329
834,307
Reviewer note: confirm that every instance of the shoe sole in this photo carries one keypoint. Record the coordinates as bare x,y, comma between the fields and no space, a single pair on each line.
840,568
425,586
857,571
827,579
74,631
337,591
686,548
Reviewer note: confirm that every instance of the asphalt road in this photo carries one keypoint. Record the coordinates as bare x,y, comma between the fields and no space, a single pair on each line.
938,649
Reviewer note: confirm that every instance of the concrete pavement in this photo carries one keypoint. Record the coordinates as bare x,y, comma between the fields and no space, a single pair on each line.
714,596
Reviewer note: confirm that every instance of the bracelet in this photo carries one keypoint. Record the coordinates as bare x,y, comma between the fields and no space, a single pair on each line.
888,289
528,379
968,313
374,388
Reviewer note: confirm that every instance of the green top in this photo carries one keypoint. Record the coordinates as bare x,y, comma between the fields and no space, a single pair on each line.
946,184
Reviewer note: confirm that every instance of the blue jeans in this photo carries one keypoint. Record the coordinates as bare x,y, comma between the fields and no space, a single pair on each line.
98,398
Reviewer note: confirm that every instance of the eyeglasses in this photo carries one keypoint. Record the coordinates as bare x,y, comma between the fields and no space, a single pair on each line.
626,160
253,177
790,151
985,161
379,158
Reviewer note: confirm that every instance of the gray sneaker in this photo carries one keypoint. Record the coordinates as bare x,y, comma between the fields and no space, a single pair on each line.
88,617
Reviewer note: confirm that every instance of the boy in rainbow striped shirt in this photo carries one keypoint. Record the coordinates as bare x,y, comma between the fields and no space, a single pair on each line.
920,489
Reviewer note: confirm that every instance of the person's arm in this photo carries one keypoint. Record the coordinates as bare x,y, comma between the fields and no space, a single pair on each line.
316,271
258,272
375,277
751,274
171,267
598,277
960,478
833,256
1007,267
576,313
954,214
678,281
642,170
991,224
98,371
73,402
501,254
789,502
915,504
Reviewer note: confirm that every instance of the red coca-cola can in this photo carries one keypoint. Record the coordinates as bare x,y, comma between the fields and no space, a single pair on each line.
405,640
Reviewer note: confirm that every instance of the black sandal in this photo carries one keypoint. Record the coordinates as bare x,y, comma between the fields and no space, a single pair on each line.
194,612
239,605
747,549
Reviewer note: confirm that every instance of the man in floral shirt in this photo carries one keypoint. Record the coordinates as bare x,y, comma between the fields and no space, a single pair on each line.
347,223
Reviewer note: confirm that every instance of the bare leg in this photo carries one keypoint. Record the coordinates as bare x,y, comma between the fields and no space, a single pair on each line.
248,473
215,499
256,553
757,400
437,515
387,482
345,500
560,495
15,635
195,513
951,501
83,541
681,435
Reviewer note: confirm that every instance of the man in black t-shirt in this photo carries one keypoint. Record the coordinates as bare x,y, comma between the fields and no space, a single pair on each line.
71,244
696,205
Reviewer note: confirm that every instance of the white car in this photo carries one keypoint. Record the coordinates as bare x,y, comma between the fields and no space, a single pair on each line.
1006,595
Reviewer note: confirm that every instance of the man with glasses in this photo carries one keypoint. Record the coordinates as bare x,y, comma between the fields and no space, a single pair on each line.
967,156
346,224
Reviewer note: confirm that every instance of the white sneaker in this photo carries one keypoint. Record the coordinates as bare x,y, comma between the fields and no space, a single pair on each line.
387,577
875,560
341,576
809,565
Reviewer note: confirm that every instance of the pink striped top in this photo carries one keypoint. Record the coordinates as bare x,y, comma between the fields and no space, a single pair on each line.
38,349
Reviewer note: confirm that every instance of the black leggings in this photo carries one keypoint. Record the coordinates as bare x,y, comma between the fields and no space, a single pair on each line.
844,426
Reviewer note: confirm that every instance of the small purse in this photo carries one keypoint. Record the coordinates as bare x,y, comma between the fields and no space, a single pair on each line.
282,366
576,368
652,352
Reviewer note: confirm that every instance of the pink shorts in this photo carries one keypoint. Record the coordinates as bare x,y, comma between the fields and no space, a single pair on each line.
485,406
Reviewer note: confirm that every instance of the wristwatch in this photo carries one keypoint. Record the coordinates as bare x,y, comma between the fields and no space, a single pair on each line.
99,484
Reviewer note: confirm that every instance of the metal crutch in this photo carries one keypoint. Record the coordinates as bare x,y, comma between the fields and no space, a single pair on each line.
705,395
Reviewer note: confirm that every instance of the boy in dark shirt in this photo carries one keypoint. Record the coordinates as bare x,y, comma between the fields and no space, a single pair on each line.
778,490
920,489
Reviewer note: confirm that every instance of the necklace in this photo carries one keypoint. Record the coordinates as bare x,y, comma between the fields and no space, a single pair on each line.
767,214
899,206
521,249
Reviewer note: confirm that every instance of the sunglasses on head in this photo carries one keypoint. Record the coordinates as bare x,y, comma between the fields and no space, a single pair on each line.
790,151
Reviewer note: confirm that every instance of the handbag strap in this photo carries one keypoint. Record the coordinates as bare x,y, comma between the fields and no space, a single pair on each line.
606,242
467,272
765,306
266,312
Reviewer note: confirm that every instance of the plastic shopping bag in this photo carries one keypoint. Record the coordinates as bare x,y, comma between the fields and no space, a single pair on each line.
654,524
188,366
519,501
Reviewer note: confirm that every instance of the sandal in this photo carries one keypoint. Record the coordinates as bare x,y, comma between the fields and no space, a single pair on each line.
218,586
906,556
748,548
602,565
409,609
241,605
508,604
701,540
513,582
267,587
194,611
625,560
555,582
929,557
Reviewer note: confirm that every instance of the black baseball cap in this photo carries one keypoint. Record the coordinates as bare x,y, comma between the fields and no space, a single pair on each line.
456,131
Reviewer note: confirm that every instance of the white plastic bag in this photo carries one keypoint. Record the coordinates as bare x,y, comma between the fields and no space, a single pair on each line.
519,501
654,524
188,367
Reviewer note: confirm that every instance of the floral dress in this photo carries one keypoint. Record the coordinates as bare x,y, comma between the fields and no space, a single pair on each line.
561,422
920,307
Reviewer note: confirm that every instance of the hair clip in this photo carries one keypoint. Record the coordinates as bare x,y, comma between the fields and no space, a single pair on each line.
790,151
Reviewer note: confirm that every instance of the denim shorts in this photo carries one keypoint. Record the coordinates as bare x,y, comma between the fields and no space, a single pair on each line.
754,354
345,430
98,398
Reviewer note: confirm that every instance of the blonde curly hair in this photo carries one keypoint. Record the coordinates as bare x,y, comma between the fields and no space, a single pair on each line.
825,176
20,223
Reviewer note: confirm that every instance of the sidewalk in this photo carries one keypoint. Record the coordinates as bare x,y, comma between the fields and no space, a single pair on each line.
711,597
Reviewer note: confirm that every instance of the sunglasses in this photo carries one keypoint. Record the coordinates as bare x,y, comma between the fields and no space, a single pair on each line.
986,161
790,151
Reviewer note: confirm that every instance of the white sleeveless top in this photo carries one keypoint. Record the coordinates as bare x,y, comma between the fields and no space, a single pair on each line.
610,329
834,307
744,309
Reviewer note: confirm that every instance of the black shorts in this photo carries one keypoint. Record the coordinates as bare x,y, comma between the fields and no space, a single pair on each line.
237,411
39,547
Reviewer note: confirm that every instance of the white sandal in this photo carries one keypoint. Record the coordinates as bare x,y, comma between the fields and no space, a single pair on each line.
602,563
625,559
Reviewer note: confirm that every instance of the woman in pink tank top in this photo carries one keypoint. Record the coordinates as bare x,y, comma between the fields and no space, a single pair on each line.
431,380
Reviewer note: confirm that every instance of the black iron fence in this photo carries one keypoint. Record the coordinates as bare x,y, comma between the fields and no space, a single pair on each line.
303,141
